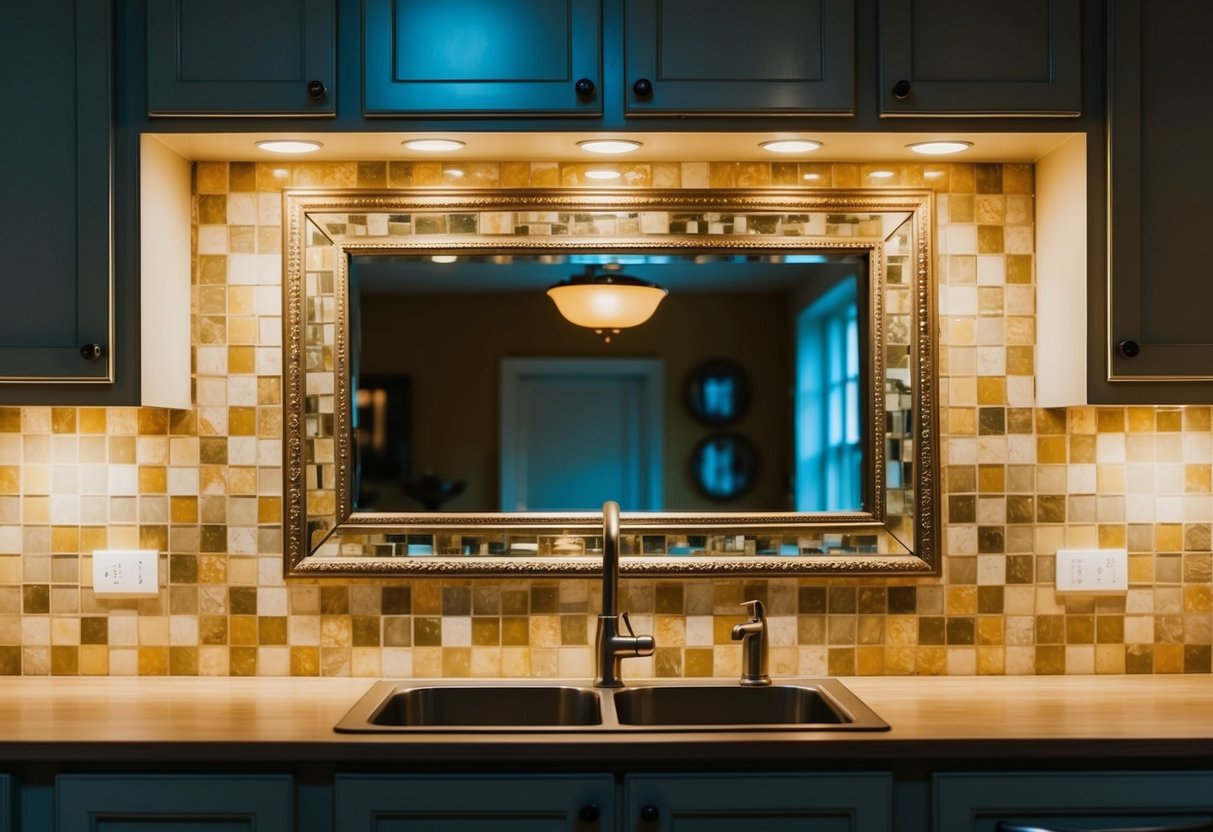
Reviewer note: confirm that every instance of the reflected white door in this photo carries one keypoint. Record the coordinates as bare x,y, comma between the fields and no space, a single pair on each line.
578,432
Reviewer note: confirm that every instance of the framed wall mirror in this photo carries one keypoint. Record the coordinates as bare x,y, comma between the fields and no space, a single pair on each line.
444,415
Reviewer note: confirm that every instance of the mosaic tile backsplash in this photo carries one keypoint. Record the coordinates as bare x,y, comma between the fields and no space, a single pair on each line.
204,486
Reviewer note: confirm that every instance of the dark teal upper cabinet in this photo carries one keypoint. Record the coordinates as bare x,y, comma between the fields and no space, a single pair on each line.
57,278
482,57
994,57
235,58
1156,327
715,57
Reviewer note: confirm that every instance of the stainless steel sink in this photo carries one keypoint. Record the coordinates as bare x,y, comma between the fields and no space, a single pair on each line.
802,705
820,705
390,707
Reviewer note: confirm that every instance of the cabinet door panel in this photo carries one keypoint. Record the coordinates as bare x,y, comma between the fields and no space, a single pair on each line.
170,803
56,200
481,56
1105,800
993,57
774,803
490,803
232,57
715,57
1160,296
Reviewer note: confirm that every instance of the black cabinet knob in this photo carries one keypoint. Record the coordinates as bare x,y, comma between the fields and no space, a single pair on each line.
901,89
1128,348
316,90
584,87
589,812
643,88
91,352
649,813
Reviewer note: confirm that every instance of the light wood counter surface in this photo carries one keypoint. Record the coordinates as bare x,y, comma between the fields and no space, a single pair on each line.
271,720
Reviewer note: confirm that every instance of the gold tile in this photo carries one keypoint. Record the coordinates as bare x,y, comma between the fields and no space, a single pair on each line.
210,177
153,661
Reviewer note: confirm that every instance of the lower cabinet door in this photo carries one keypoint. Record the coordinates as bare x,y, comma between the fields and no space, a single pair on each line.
173,803
1089,800
767,802
475,803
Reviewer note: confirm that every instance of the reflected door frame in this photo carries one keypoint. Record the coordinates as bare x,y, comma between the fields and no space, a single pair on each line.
641,459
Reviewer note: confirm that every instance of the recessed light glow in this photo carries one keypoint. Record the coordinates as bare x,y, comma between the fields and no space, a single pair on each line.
289,145
811,177
600,173
881,174
933,174
608,146
790,145
939,148
453,172
434,145
443,258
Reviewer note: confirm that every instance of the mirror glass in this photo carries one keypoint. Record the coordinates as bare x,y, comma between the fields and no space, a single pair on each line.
473,394
774,414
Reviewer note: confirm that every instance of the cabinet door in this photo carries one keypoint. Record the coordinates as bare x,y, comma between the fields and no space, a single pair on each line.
1103,800
482,57
55,205
1160,294
233,57
994,57
715,57
489,803
770,802
101,803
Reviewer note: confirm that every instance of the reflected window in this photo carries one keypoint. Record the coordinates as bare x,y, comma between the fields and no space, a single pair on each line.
829,446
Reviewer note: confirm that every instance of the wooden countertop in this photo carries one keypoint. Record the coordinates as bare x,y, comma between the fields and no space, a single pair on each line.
268,720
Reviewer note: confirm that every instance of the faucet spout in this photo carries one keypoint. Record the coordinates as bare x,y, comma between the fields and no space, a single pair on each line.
611,647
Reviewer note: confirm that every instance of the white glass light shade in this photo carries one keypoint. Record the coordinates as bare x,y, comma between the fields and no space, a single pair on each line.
939,148
605,305
609,146
434,145
289,145
790,145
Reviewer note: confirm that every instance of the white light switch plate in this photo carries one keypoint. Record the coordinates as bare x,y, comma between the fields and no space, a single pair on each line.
1093,571
126,573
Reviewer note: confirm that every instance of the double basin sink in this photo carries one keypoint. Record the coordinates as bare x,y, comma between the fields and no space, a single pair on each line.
803,705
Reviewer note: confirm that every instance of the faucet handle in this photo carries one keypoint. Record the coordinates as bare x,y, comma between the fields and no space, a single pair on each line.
627,624
758,612
641,645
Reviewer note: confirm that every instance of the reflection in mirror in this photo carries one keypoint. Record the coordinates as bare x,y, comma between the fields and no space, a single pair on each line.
442,416
512,408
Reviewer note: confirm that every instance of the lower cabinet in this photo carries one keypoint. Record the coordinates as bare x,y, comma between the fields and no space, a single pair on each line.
1096,800
187,803
770,802
475,803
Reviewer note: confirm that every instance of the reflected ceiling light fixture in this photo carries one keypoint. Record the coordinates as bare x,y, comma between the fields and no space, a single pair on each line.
881,174
939,148
434,145
609,146
289,145
790,145
811,177
602,173
606,303
443,258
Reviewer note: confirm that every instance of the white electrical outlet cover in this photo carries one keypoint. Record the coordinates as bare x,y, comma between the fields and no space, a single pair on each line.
1093,571
126,573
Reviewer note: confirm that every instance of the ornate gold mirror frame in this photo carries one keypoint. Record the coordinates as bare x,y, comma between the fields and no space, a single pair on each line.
898,534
